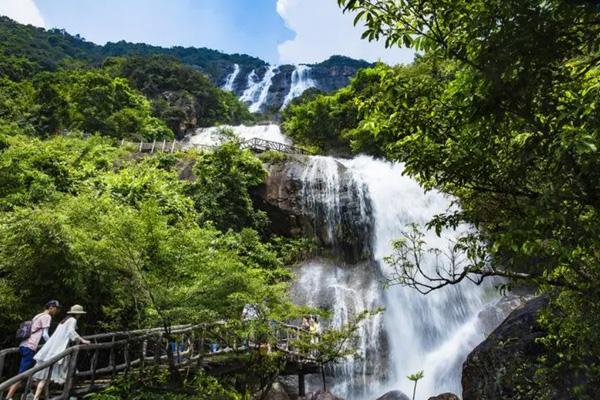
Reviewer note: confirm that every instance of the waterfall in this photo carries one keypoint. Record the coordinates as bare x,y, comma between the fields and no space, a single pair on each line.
300,82
257,91
358,207
231,78
433,333
251,91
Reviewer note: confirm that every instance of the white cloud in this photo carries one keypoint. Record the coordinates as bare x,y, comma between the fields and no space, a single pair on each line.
23,11
323,30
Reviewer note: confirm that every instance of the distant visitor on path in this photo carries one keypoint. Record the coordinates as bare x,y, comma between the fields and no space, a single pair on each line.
30,333
65,333
314,328
305,325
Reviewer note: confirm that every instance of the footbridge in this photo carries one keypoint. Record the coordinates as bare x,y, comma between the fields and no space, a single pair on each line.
256,145
215,348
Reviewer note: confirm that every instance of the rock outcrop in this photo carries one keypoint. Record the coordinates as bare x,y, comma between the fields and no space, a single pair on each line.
287,190
394,395
321,395
445,396
328,76
490,370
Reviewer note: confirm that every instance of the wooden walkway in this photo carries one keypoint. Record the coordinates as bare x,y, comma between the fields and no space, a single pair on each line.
256,145
93,367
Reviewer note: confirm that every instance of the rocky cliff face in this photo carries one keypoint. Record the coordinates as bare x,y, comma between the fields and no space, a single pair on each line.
284,197
269,93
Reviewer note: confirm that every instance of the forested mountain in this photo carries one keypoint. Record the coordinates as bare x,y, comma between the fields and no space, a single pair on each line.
28,50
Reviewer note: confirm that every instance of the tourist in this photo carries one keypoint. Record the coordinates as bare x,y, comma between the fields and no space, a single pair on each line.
314,329
305,325
65,333
36,329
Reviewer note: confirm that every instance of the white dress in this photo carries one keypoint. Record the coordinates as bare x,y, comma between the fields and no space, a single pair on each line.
64,333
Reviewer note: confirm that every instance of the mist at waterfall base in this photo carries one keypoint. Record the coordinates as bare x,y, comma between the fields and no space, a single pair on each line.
433,333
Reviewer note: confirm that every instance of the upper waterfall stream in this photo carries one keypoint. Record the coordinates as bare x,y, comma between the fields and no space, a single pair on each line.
373,202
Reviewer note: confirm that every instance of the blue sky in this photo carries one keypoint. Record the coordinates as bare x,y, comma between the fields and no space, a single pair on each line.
250,26
278,31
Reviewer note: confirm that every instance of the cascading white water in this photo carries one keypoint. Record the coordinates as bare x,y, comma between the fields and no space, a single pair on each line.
251,91
231,78
300,82
257,90
433,333
213,136
368,203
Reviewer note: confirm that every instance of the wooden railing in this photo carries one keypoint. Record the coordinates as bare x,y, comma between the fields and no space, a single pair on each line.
92,367
260,145
257,145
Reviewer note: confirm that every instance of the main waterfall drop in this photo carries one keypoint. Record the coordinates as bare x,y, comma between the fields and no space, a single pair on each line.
357,208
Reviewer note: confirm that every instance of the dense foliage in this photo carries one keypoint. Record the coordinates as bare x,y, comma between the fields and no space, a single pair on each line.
51,81
502,112
82,224
181,96
26,50
325,122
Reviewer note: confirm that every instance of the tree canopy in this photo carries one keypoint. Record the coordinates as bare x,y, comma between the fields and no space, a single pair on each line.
501,111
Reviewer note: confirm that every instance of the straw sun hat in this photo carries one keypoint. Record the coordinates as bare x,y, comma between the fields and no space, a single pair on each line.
76,309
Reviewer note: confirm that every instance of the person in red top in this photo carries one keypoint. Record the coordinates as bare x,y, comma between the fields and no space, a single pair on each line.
40,325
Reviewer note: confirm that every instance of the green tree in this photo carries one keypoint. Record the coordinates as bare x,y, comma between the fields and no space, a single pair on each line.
513,133
230,173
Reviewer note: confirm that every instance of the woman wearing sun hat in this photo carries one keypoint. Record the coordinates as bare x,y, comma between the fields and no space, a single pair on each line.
58,342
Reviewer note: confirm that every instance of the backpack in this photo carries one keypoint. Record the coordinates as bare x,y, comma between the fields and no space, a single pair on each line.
24,331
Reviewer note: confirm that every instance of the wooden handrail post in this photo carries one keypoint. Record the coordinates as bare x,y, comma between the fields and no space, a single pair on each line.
141,146
94,365
201,346
158,348
144,348
153,145
70,374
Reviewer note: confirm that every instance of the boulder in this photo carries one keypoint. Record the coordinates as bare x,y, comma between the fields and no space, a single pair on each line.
445,396
321,395
277,392
489,371
394,395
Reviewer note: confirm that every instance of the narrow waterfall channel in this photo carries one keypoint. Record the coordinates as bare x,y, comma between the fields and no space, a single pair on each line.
230,80
300,82
255,95
359,207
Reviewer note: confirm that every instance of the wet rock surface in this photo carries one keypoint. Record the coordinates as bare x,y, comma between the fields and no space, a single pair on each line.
327,77
394,395
294,212
445,396
321,395
489,371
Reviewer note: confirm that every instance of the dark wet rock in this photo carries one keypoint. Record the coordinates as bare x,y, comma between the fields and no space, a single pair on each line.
328,76
394,395
489,372
321,395
445,396
295,213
